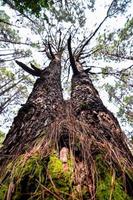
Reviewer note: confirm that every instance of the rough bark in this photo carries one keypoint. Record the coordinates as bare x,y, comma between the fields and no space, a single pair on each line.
101,130
65,149
89,108
42,107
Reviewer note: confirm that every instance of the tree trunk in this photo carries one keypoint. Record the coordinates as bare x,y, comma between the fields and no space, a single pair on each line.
60,149
102,133
42,107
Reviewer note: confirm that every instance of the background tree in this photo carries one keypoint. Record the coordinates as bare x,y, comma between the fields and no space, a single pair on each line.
14,84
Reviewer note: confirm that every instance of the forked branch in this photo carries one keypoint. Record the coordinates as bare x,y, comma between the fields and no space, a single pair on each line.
35,68
29,70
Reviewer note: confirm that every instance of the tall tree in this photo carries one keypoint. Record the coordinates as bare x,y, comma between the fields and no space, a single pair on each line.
65,149
74,14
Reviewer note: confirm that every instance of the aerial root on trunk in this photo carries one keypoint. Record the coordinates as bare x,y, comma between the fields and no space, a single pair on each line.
74,149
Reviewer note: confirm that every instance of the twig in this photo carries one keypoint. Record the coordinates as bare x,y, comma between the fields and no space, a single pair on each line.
82,48
96,30
14,42
2,20
49,191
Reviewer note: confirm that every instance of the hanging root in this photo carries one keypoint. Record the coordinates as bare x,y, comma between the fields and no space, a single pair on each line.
71,161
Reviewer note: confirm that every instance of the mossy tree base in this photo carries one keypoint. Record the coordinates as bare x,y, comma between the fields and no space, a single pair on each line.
37,177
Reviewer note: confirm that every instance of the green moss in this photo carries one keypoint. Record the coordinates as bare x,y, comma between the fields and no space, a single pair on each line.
61,179
3,190
38,178
32,176
104,189
80,193
28,175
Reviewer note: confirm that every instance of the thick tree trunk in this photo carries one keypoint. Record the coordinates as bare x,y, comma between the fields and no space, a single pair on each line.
44,104
100,132
65,149
89,108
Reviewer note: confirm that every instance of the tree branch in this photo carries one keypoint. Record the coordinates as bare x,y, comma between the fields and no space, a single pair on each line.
14,42
35,68
27,69
119,56
2,20
50,50
93,34
96,30
72,60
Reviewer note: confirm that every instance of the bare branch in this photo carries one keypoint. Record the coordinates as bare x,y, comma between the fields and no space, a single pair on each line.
3,21
7,102
94,33
10,59
5,84
27,69
72,60
116,73
123,70
82,48
14,42
8,54
87,54
50,50
60,34
10,87
65,35
119,56
35,68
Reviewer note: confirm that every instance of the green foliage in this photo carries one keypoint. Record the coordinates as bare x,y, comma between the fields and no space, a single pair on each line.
5,72
71,12
120,94
127,31
31,6
114,45
106,71
3,190
6,32
4,16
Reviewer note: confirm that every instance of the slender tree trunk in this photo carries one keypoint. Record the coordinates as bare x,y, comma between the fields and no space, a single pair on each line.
4,85
11,87
7,102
